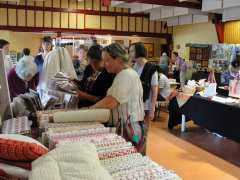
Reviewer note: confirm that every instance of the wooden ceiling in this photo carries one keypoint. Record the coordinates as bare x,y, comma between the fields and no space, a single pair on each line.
195,4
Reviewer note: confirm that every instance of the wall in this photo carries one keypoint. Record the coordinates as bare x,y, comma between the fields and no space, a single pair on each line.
203,33
20,40
232,32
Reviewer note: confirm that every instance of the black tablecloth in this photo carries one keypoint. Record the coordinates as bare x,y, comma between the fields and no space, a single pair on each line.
217,117
204,75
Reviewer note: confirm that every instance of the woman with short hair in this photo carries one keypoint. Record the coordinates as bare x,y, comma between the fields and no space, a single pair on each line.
23,77
124,97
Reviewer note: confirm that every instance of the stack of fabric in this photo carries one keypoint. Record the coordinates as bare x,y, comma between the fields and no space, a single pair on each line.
20,125
17,152
62,82
63,89
25,104
119,157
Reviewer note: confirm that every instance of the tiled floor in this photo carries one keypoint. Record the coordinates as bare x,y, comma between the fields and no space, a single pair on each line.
186,159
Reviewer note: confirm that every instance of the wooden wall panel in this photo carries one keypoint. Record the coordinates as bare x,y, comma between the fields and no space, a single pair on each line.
30,3
3,15
56,19
132,24
119,23
164,30
60,17
56,3
39,3
151,27
64,20
88,4
81,5
64,3
145,24
21,17
12,17
30,18
48,3
158,27
73,4
125,23
108,22
139,24
72,20
39,18
12,2
80,22
96,5
103,8
170,29
111,9
232,32
118,9
92,22
47,19
22,3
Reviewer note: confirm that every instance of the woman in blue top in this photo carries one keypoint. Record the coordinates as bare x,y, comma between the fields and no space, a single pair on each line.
46,48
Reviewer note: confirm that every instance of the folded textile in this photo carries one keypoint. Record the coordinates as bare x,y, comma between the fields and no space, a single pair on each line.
96,115
20,125
75,161
119,157
20,164
14,171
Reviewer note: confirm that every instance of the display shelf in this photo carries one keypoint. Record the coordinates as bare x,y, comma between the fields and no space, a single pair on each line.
200,55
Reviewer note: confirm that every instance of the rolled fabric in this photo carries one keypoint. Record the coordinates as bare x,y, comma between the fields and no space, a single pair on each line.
88,115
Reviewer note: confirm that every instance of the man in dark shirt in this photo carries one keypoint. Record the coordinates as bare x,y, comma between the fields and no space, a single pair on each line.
96,80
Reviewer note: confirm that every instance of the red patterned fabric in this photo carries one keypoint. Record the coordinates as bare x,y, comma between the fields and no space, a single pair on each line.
24,165
2,173
20,151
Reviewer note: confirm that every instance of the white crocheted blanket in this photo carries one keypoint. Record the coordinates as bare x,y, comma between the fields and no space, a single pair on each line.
75,161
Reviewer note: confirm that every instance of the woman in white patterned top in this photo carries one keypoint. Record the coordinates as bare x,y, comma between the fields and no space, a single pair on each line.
124,97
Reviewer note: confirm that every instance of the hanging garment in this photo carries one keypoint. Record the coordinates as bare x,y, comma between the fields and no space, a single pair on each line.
58,60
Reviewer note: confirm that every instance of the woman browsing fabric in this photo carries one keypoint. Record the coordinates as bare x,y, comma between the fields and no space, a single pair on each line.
96,80
23,77
124,97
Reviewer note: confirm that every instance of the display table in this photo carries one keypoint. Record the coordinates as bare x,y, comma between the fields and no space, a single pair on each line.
217,117
204,75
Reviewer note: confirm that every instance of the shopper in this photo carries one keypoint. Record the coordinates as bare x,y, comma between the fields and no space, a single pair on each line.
46,48
23,77
26,52
181,68
148,75
163,63
82,54
96,80
4,48
124,97
164,88
80,61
